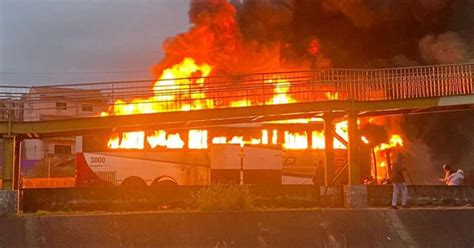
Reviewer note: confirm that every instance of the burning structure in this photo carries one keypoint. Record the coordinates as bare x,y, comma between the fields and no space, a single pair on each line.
244,37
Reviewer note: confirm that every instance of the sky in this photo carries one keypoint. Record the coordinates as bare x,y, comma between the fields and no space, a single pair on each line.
46,42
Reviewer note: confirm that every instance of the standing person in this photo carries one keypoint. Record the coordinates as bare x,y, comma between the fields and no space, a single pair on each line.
448,171
398,181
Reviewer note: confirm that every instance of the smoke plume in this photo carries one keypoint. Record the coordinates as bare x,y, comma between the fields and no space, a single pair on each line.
446,48
245,36
215,37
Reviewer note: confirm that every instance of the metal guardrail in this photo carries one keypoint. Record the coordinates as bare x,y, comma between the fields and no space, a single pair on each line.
85,100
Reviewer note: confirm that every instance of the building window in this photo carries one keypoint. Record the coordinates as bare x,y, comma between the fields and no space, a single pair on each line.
62,149
87,108
61,105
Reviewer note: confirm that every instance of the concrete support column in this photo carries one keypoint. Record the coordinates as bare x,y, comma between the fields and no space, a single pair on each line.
9,162
353,149
8,196
329,149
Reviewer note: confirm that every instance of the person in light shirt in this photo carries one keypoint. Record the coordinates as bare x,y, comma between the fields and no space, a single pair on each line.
456,178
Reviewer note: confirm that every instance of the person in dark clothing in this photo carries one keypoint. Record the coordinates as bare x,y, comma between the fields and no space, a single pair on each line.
448,171
398,181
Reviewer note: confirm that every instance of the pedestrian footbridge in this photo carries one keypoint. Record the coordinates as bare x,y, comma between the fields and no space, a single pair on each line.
80,109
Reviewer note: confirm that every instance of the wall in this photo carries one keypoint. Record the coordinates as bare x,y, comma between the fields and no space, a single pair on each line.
313,228
33,149
156,198
281,196
420,195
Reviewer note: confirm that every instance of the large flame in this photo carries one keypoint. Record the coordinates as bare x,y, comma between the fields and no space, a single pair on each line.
172,81
280,91
296,140
199,139
381,152
395,140
181,87
186,80
158,138
318,140
162,139
129,140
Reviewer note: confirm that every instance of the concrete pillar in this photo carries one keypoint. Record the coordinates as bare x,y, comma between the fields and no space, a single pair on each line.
16,166
329,149
353,149
9,202
9,162
8,196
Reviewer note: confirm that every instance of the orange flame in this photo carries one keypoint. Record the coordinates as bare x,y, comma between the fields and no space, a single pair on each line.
395,140
172,80
332,95
129,140
318,140
274,137
380,155
296,140
280,92
158,138
187,80
197,139
170,141
341,130
241,103
265,137
237,140
174,141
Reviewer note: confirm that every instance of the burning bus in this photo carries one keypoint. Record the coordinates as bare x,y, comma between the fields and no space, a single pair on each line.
199,157
267,153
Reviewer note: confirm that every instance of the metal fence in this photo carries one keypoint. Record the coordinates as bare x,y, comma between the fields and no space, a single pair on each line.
131,97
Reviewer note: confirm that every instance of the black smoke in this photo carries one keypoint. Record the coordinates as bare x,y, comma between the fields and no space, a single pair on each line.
365,33
250,36
449,135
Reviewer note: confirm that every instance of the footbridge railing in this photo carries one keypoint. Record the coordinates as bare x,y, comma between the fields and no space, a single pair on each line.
184,94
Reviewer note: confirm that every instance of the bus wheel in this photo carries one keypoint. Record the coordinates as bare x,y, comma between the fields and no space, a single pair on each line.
164,181
133,183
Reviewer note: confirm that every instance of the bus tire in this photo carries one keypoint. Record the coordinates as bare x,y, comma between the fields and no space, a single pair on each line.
164,181
133,183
